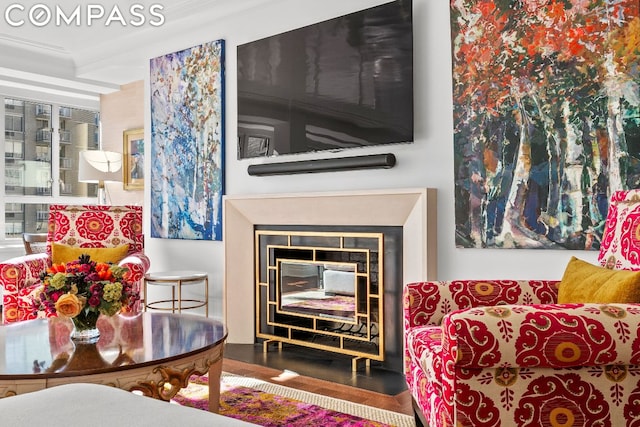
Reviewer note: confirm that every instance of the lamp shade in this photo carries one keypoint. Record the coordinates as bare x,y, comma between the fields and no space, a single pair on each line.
99,166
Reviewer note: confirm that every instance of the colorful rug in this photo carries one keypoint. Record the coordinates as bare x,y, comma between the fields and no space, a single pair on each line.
273,405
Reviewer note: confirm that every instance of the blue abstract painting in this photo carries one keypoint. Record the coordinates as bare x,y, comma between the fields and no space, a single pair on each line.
187,143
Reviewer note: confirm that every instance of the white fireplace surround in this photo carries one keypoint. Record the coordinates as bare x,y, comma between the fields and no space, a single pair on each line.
412,208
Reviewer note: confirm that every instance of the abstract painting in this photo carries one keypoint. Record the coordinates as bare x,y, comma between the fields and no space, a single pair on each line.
546,119
187,143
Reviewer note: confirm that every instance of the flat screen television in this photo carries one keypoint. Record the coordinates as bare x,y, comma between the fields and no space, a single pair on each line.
342,83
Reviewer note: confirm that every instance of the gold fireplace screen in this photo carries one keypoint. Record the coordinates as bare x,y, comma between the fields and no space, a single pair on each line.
322,290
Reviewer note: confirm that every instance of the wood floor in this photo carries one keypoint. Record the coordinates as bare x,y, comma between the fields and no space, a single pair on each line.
391,401
400,402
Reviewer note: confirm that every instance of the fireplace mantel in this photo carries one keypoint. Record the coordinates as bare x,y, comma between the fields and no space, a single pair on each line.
414,209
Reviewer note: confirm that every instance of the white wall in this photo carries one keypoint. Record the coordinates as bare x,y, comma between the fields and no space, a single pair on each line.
428,162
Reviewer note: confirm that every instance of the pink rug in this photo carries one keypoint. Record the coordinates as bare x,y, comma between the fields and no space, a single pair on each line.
266,409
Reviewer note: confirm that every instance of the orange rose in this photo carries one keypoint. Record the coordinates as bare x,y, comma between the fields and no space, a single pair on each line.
69,305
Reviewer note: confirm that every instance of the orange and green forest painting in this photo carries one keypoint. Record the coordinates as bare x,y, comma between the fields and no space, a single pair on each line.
547,119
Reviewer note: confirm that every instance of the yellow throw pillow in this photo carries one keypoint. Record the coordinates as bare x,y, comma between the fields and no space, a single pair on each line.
587,283
63,253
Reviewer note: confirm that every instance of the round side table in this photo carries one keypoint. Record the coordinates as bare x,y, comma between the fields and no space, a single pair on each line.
177,279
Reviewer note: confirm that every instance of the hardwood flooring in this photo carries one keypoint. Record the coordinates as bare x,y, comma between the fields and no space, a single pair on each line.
384,390
248,360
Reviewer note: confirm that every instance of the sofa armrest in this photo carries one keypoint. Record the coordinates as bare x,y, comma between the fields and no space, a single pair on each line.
546,335
138,264
16,274
425,303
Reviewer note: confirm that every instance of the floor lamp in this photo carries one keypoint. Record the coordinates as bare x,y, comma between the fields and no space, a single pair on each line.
98,166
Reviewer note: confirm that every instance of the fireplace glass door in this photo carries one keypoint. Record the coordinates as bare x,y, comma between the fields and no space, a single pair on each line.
324,290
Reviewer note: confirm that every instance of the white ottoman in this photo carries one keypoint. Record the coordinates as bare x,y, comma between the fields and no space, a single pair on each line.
83,404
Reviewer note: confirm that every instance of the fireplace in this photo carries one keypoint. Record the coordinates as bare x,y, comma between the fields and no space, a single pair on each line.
332,288
413,211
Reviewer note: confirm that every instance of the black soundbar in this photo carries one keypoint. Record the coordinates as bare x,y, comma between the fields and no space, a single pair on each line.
385,161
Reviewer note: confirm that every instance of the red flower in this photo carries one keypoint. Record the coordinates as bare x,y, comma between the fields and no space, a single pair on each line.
94,300
57,268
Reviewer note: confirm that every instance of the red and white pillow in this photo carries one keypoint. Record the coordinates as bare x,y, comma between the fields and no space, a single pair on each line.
620,247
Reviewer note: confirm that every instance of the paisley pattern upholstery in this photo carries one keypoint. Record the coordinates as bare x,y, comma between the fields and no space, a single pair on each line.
620,246
73,225
504,353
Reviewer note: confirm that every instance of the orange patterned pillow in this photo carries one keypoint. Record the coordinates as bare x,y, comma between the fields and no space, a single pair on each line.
620,247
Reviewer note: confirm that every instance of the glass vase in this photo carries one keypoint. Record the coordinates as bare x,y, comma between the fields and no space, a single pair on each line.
84,328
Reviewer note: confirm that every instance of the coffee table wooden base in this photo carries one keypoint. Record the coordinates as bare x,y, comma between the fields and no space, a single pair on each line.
156,370
160,381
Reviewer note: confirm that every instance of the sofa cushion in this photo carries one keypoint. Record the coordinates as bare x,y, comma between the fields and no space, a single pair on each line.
583,282
64,253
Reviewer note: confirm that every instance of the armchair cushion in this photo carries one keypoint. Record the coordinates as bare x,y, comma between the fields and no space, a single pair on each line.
63,253
583,282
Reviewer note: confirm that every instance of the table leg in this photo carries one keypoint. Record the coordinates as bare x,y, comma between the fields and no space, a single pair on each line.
215,370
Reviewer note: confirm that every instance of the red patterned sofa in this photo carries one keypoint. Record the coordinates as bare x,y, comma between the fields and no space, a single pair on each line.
86,226
505,353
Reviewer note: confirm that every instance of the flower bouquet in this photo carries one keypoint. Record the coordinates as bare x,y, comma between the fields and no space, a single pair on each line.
82,290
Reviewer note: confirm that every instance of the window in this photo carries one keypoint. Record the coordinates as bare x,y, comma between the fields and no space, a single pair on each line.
13,125
42,142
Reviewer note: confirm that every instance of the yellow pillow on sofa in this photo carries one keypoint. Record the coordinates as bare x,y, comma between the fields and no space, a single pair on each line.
587,283
64,254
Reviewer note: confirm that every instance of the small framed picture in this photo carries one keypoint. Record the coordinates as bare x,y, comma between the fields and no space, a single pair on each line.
133,159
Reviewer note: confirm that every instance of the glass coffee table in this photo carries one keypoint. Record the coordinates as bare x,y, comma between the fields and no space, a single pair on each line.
151,353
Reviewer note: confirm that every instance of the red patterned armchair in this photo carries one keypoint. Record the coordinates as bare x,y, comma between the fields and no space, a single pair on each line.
85,226
506,353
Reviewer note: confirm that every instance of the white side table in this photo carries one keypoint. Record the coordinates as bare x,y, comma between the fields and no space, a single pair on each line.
177,279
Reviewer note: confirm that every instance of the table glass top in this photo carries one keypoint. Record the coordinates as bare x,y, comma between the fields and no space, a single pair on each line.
42,347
